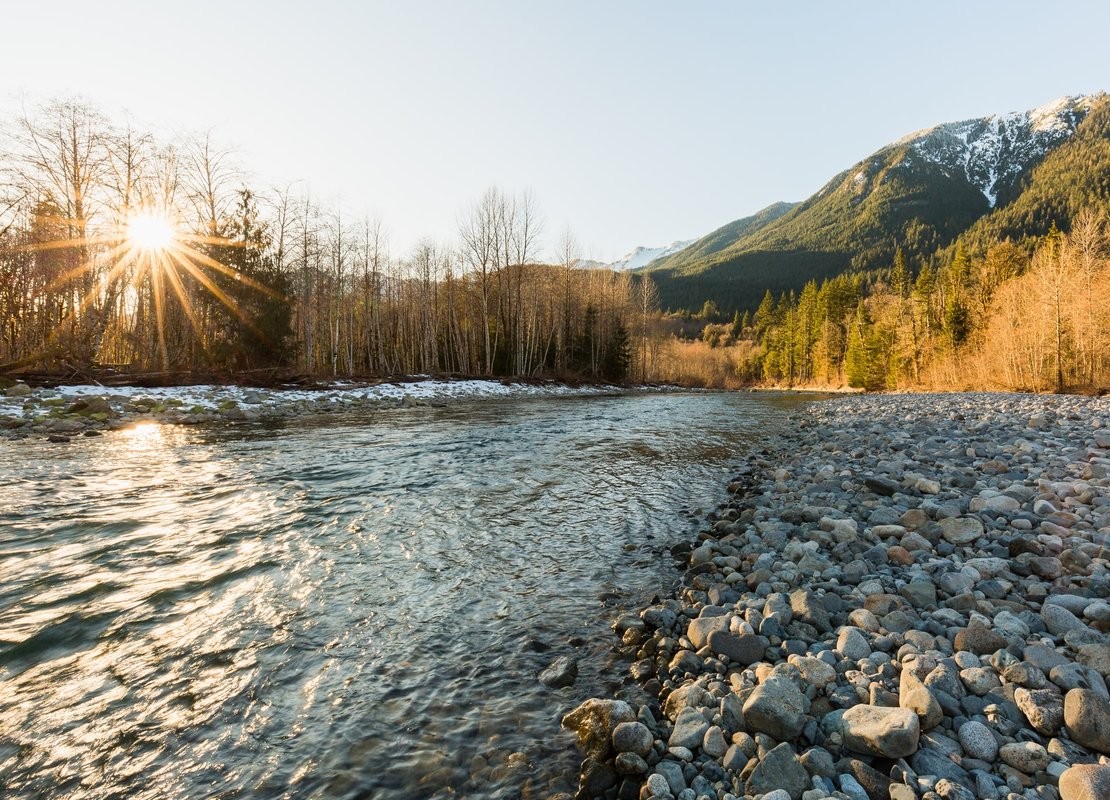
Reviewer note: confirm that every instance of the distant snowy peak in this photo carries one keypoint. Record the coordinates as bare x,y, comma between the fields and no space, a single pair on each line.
992,151
642,256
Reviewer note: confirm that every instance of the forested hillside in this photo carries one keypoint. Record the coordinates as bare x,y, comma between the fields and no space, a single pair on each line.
1011,318
990,179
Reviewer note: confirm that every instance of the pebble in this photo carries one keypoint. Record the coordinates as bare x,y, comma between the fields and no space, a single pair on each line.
978,741
632,737
1029,757
907,599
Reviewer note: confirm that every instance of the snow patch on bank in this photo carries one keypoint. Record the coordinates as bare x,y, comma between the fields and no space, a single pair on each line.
210,395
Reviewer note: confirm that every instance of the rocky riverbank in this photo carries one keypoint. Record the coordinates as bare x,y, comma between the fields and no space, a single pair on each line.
58,414
910,600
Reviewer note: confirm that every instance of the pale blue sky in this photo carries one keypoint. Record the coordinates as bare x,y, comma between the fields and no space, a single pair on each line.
636,123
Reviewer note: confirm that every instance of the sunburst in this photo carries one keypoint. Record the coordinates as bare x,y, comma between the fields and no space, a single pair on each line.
150,243
151,232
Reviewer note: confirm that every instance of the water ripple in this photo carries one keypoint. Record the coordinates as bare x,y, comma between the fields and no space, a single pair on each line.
344,607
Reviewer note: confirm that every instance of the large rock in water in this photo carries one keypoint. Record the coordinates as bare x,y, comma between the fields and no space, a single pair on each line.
776,707
563,671
1087,715
91,406
880,731
1085,782
594,722
779,769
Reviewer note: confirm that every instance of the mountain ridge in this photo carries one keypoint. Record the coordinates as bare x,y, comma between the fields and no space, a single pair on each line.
919,193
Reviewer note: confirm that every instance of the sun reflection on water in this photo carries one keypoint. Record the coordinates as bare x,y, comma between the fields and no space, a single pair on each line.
142,435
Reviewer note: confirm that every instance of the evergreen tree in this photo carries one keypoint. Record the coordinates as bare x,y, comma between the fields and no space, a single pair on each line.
257,315
764,315
900,279
865,365
709,311
618,353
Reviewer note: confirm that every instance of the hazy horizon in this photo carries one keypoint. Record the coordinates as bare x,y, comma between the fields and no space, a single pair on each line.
635,124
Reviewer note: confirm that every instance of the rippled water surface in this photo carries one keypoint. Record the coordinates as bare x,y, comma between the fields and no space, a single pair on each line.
339,607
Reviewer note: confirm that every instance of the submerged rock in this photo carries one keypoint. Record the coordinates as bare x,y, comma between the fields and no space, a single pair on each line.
563,671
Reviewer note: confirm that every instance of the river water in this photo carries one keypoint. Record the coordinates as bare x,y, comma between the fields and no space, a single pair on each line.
340,607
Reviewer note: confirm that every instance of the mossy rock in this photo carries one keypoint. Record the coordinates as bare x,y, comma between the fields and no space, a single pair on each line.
54,401
173,401
198,410
227,405
90,406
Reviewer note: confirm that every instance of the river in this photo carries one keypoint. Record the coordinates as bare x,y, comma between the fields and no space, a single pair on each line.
344,607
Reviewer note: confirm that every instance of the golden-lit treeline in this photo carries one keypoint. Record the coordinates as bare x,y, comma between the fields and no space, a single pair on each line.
1048,328
1030,317
272,278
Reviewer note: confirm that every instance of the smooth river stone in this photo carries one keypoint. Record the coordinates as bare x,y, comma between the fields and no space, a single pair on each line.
776,708
1085,782
632,737
1029,757
880,731
1087,715
961,530
978,741
699,629
741,649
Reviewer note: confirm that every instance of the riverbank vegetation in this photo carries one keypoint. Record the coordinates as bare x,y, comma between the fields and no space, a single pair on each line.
125,251
1028,316
120,249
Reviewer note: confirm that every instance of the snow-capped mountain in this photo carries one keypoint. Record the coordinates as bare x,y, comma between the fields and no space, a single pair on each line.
642,256
978,181
990,152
